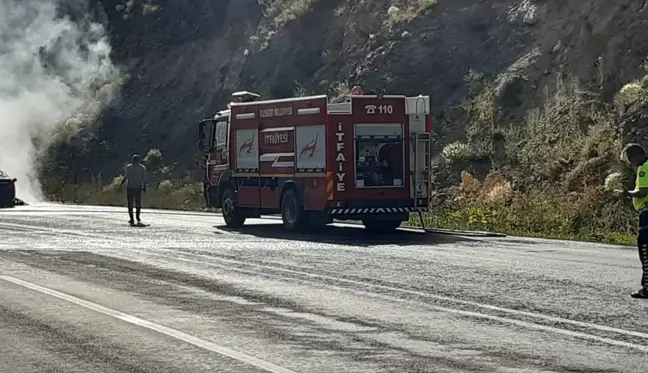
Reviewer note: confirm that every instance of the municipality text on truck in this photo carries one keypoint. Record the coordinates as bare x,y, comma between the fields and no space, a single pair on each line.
313,161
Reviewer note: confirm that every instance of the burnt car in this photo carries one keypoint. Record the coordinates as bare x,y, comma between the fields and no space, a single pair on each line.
7,190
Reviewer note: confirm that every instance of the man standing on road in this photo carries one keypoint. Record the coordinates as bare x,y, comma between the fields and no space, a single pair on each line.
135,179
636,155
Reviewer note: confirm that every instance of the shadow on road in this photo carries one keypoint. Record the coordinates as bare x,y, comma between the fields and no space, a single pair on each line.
346,235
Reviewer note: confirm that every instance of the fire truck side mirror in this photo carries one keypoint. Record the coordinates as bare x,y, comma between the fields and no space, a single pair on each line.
206,134
201,136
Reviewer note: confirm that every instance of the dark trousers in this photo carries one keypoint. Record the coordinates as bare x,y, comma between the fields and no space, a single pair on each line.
642,243
206,194
134,195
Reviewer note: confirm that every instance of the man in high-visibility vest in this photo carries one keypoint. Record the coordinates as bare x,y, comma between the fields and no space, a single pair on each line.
636,155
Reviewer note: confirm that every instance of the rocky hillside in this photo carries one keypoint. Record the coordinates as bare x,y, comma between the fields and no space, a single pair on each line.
182,60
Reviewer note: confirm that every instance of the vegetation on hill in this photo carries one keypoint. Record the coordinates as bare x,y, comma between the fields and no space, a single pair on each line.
166,189
552,174
533,101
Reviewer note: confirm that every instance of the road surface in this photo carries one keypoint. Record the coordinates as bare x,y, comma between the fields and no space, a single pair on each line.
81,291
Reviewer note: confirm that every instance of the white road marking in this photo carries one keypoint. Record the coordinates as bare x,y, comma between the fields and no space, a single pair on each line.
384,287
553,319
472,314
209,346
371,285
28,227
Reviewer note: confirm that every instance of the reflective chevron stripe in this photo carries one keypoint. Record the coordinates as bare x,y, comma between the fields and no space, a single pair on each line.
376,210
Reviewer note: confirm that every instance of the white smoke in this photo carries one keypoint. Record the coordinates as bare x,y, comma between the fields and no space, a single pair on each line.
51,73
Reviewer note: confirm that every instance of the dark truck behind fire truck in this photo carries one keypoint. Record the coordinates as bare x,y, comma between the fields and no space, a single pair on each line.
313,161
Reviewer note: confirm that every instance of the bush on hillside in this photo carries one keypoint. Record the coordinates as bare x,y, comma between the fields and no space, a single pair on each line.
554,175
494,205
168,194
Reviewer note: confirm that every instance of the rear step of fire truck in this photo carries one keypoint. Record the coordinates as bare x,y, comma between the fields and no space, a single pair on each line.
420,177
421,144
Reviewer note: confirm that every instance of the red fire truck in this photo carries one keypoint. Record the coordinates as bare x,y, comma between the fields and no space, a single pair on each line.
313,161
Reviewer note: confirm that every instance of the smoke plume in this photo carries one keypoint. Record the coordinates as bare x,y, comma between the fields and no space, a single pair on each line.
55,77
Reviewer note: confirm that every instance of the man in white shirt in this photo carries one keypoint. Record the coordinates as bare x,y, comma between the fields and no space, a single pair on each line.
135,180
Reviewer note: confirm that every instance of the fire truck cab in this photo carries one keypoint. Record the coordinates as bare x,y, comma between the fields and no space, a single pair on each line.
313,161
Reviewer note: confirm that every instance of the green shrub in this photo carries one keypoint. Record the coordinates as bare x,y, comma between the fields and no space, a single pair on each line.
168,194
494,206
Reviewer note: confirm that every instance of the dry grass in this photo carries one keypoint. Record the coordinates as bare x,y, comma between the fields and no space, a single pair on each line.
168,194
633,93
277,14
567,132
457,152
562,167
493,205
281,12
552,174
405,11
165,190
570,126
339,91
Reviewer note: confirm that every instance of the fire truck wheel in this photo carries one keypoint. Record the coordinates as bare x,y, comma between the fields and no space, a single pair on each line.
234,217
381,225
292,214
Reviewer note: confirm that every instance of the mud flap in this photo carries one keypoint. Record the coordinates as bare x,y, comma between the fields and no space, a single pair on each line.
213,198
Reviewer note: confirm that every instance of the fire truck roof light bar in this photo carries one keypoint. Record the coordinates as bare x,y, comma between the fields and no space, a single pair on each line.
278,101
245,93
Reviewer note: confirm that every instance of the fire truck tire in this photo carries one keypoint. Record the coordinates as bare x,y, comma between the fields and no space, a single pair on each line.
381,225
292,213
234,216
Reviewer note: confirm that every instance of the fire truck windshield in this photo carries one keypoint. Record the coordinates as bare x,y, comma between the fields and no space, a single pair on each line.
379,156
220,135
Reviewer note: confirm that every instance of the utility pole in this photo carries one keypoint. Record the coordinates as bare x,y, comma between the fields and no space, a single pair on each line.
74,175
73,146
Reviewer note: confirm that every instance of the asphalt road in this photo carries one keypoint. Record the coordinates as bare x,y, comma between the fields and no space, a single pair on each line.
81,291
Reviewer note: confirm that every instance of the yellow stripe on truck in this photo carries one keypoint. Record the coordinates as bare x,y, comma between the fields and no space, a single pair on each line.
329,185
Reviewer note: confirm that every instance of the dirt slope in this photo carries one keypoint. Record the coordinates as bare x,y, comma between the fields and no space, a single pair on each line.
185,58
